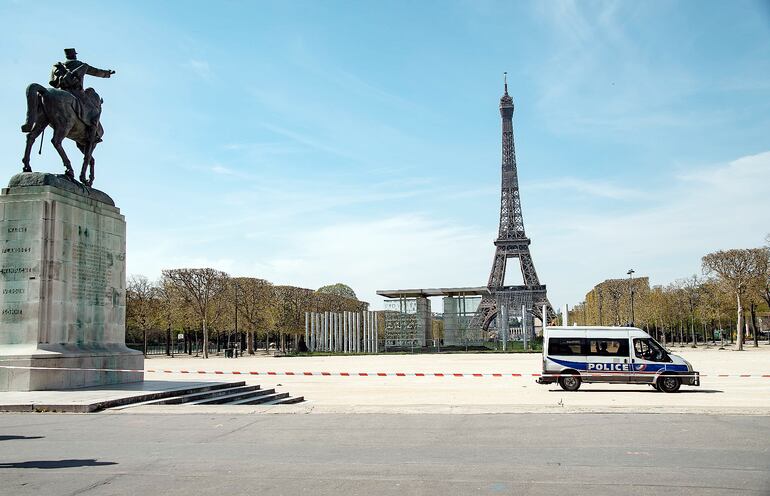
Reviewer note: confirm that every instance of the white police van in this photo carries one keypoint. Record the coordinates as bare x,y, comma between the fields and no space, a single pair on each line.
618,355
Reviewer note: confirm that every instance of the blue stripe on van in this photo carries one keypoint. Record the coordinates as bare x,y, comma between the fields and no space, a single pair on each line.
639,367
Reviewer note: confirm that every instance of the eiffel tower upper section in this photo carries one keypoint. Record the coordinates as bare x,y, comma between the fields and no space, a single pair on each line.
512,240
511,218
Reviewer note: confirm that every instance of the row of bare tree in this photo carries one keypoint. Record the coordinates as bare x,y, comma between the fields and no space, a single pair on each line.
213,302
732,282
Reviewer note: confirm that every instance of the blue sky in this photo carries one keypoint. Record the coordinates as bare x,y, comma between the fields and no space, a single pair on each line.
318,142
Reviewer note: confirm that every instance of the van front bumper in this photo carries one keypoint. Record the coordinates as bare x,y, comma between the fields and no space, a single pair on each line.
692,379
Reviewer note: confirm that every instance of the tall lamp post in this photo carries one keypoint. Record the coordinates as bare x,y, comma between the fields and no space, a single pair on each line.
599,293
240,342
631,290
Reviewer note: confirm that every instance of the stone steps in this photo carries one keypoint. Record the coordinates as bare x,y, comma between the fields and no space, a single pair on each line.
204,395
234,393
286,401
268,399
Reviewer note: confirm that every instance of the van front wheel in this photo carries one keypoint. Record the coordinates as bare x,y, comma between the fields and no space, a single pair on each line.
570,382
669,384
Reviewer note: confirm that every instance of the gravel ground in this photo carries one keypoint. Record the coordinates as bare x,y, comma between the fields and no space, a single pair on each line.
335,394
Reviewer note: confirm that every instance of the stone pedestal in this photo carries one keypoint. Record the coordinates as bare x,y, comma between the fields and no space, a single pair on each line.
62,287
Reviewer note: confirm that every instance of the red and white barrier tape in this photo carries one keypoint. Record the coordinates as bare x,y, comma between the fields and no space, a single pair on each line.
360,374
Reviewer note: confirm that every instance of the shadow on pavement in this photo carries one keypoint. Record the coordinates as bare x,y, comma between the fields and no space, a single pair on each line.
681,391
48,464
12,438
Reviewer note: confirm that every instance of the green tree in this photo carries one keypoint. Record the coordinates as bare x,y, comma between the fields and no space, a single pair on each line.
692,291
202,290
737,270
141,306
338,289
257,306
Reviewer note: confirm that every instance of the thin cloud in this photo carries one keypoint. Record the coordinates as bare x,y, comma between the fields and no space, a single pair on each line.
219,169
201,68
597,188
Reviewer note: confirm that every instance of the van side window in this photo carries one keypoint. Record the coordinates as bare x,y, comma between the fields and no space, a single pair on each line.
648,349
565,346
642,349
608,347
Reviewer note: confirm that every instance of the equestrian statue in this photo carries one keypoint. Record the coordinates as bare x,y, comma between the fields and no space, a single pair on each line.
70,110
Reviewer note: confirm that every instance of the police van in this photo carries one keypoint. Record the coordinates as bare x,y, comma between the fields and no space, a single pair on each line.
618,355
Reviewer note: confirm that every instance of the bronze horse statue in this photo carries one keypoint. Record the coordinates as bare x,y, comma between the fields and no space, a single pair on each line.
57,108
70,110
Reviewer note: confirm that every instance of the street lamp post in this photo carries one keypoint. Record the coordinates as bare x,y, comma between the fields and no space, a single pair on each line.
631,290
240,342
599,294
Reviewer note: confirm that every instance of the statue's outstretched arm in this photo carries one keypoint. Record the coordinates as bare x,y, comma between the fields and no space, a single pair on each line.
93,71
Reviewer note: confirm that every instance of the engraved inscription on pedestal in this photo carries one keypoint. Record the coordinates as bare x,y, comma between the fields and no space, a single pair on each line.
92,271
19,263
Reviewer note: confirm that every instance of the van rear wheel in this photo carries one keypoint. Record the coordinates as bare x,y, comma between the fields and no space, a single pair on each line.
669,384
570,382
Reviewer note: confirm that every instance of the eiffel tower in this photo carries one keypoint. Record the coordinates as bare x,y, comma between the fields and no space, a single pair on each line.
512,241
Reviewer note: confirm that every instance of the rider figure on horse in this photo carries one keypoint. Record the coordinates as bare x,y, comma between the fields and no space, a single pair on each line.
68,76
71,111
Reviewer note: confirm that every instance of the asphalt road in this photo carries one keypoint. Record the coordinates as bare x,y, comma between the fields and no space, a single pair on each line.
523,454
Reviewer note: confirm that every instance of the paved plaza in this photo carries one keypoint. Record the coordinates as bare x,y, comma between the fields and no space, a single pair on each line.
410,434
524,454
468,394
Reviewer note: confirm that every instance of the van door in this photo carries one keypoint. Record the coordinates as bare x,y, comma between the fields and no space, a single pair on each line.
608,358
649,359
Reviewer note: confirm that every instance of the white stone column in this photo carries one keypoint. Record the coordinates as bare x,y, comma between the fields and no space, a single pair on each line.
322,324
365,348
371,332
312,330
504,325
337,340
349,324
524,324
328,331
334,332
565,315
358,332
351,327
376,334
307,330
348,338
